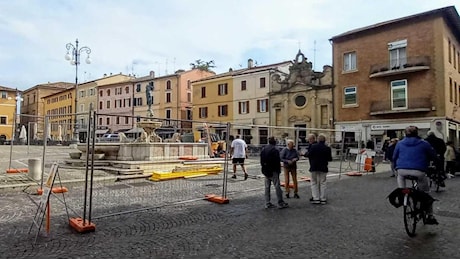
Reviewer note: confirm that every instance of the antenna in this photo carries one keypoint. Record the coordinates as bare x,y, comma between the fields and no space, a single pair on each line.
174,64
314,55
166,67
298,42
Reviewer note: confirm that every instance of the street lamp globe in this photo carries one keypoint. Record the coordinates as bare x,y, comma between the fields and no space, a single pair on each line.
88,60
67,56
72,62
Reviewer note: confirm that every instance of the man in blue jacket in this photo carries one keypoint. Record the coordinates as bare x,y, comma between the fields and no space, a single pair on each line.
412,157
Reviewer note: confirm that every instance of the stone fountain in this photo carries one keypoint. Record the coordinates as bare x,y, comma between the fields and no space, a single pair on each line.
148,147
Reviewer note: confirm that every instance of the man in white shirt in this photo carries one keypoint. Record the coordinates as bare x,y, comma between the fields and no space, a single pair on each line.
238,151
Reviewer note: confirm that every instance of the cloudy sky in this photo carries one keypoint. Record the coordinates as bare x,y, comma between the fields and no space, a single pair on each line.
137,36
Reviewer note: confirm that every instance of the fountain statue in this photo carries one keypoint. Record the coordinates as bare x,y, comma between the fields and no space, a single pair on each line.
149,135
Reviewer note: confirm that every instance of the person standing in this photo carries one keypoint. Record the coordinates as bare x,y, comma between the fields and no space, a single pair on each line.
271,167
238,152
450,159
389,155
289,157
319,156
440,148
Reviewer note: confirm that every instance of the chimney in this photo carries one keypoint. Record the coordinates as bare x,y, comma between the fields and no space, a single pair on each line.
250,63
152,74
110,73
230,70
105,75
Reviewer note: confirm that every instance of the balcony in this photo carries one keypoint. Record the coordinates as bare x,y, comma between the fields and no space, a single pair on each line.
401,66
414,105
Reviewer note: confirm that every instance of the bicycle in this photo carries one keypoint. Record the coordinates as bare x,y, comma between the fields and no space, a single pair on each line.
413,210
436,177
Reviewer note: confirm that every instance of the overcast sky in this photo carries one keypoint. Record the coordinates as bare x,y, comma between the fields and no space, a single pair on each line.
137,36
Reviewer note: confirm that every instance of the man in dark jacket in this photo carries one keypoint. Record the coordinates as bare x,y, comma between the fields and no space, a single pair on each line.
412,157
440,147
271,168
319,156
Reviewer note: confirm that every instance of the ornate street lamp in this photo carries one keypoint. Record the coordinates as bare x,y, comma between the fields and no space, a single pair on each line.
74,59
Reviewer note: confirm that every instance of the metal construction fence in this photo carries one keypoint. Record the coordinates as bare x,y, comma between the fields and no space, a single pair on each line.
154,162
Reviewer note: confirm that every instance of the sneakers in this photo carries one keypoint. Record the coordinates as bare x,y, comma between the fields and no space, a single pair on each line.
430,220
283,205
245,176
315,202
269,206
323,202
234,176
450,176
287,195
296,196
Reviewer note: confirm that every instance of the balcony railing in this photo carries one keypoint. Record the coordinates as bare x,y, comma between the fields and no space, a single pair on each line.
400,66
413,105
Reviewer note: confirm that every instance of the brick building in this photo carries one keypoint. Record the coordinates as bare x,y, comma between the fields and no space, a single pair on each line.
398,73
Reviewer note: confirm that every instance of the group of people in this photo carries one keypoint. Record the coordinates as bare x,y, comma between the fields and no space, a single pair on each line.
445,153
271,159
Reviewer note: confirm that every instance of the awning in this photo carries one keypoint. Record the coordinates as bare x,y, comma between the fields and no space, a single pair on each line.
241,127
101,131
121,131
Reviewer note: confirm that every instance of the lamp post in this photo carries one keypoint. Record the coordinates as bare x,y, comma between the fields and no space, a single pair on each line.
74,59
13,130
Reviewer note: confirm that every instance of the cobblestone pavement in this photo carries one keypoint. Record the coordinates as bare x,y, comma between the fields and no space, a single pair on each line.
143,219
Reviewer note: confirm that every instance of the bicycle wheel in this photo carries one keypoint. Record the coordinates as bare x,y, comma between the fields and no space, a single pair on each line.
410,216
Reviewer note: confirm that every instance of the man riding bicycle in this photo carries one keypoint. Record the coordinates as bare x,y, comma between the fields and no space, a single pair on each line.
412,157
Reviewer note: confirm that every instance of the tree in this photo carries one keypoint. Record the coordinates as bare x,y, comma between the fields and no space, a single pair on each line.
203,65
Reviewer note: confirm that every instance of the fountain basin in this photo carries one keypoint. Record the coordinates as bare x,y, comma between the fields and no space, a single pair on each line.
148,151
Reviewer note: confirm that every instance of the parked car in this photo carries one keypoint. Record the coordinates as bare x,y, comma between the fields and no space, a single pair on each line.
109,138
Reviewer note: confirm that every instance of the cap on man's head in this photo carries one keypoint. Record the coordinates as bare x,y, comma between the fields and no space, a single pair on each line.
411,131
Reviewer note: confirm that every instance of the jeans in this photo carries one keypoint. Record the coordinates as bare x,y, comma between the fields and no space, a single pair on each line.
393,170
450,167
276,182
293,172
422,182
318,185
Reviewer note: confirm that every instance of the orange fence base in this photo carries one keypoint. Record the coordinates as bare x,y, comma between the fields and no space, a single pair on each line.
79,226
217,199
20,170
305,178
291,185
354,174
54,190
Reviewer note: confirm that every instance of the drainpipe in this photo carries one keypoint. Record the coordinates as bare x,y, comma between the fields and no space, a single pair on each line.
132,106
179,103
332,86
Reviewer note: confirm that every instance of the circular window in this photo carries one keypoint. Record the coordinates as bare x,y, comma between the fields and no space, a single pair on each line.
300,101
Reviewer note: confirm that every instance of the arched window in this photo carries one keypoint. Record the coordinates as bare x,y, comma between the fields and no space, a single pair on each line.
168,84
108,92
